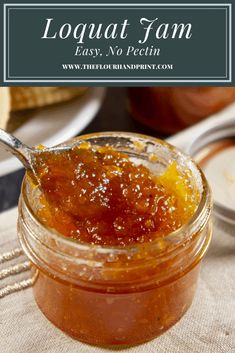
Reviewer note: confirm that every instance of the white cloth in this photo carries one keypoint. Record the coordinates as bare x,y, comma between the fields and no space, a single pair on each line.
208,326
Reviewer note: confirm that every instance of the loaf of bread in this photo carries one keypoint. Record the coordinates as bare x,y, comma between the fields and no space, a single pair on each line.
17,103
4,106
35,97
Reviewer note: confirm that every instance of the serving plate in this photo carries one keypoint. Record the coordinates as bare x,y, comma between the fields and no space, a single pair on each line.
55,124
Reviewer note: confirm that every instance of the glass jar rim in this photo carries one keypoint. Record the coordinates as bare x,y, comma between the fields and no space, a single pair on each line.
189,227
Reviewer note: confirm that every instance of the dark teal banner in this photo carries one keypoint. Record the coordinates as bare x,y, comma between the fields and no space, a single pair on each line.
117,44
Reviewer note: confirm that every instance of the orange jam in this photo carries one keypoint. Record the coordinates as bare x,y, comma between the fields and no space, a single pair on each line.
99,196
115,236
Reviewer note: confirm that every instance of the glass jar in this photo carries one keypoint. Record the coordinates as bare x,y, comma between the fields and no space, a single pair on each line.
117,295
171,109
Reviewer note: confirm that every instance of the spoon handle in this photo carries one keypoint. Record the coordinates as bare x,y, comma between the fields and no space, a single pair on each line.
16,147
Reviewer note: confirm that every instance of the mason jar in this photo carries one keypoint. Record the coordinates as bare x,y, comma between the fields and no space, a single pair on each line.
172,109
110,295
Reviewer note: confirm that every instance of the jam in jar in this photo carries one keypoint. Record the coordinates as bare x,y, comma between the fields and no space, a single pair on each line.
116,233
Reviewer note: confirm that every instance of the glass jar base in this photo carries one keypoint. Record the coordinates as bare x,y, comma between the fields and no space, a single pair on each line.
112,344
107,319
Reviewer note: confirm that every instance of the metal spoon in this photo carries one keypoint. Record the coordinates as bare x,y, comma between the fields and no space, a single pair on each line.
25,154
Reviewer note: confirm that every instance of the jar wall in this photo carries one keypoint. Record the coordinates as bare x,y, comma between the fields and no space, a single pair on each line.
110,295
114,318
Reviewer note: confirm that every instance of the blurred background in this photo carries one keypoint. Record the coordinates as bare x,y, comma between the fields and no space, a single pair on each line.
51,115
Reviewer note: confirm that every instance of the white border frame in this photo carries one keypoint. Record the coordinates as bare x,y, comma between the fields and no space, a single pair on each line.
226,6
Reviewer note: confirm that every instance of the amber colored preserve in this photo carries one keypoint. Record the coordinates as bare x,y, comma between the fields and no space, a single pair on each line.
116,234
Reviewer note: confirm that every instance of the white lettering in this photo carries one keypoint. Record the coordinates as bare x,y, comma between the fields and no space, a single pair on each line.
45,35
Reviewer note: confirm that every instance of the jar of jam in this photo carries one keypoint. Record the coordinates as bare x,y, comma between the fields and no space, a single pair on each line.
117,295
171,109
